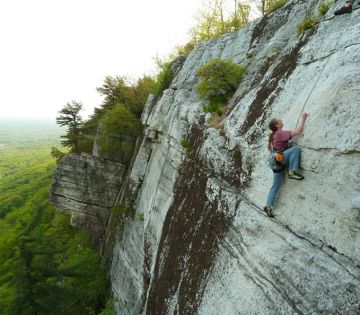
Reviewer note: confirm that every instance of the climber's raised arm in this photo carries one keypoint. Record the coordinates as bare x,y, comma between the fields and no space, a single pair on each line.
300,129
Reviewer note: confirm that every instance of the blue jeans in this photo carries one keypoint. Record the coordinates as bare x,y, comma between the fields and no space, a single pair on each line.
292,162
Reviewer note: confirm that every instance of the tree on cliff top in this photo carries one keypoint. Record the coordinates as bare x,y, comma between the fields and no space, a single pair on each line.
267,6
118,132
219,17
70,117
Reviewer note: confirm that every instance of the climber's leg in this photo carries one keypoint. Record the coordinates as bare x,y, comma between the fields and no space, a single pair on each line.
292,160
277,182
343,10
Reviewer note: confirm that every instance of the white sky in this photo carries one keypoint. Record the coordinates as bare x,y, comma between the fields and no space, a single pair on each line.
52,52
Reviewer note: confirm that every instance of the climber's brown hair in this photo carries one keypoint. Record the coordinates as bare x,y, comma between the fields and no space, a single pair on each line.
272,125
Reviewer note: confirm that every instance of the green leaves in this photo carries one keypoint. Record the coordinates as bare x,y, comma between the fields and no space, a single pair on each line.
119,129
46,267
219,78
324,7
70,118
120,122
215,19
274,5
164,76
307,23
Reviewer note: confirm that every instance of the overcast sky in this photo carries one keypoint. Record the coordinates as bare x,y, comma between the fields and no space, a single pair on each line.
53,52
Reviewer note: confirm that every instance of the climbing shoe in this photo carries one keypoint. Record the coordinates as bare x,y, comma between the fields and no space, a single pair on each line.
295,175
268,210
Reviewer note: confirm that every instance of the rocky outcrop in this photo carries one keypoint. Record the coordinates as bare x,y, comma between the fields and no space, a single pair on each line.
208,246
86,187
205,246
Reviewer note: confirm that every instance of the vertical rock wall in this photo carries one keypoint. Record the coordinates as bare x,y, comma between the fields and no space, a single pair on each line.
86,187
205,245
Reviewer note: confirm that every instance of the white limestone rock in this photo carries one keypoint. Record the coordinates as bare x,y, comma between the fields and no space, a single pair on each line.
205,241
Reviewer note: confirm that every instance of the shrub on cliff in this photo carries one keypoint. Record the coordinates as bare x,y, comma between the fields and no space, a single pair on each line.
276,5
218,81
119,130
164,76
121,90
307,24
324,7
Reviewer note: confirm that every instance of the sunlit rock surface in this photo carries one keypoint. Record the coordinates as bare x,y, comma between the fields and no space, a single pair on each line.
205,245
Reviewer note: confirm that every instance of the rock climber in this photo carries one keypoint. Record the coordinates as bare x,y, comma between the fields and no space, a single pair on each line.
279,141
346,8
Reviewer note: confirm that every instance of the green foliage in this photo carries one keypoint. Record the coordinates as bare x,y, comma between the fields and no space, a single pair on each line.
215,105
183,50
69,116
24,144
139,94
119,129
123,210
115,90
275,5
186,145
324,7
307,23
57,154
214,20
219,79
109,309
120,90
140,217
46,267
164,76
120,122
17,187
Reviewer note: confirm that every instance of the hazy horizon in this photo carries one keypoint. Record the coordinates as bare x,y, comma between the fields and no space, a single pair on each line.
56,52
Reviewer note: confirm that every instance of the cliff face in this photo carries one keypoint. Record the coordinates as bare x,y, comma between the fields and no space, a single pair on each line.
86,187
205,245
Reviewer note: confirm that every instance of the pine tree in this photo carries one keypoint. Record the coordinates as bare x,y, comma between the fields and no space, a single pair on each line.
70,117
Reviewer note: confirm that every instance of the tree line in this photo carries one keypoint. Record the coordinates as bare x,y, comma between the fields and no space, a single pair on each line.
46,267
116,123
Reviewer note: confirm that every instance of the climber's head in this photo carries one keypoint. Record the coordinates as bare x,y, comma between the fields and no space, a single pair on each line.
275,124
279,124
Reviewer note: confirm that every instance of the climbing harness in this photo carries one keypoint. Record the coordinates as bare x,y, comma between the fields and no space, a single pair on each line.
276,161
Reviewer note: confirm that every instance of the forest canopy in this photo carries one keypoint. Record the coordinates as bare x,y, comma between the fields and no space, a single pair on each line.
46,267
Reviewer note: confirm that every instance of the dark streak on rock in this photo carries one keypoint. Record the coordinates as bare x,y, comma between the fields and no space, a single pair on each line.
239,176
190,238
259,29
265,26
269,90
269,25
